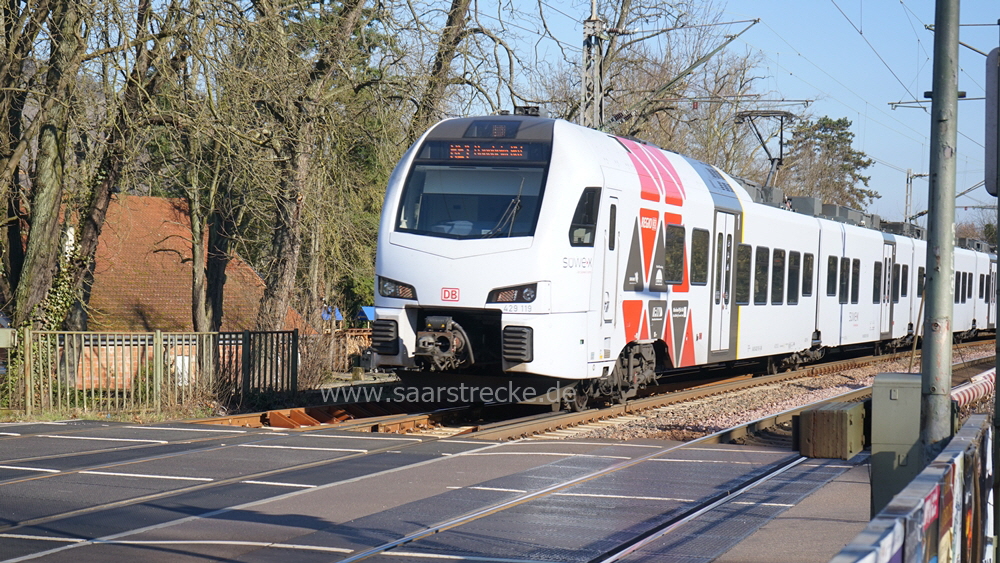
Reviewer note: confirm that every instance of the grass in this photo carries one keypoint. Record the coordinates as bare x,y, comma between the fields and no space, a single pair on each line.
134,417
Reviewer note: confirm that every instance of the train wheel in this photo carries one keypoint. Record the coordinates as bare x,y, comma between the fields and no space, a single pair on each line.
580,399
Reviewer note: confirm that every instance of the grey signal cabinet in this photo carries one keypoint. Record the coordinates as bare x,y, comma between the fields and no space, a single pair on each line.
897,454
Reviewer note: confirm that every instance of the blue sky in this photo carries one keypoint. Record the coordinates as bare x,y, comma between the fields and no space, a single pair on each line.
854,58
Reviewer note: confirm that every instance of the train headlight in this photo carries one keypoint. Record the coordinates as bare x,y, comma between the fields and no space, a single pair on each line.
516,294
393,288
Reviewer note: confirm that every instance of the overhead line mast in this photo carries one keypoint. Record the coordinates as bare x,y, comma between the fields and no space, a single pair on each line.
592,106
595,34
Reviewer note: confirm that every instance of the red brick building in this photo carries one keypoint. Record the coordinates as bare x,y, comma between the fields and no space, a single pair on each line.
143,275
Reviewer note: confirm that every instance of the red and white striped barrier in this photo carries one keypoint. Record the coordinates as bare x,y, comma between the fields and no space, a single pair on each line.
979,386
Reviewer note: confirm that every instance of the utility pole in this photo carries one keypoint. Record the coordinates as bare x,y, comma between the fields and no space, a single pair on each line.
935,414
592,106
992,181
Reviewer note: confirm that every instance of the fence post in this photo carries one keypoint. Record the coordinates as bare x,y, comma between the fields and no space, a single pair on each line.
294,361
29,387
158,360
246,359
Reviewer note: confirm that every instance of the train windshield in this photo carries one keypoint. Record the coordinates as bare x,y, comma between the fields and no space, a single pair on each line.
471,201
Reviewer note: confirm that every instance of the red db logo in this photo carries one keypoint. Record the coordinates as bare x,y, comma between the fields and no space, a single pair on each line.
449,294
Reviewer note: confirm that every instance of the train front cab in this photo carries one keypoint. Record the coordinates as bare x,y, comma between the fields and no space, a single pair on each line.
536,288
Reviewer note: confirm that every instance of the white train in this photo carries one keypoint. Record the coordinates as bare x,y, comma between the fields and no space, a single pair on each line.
520,247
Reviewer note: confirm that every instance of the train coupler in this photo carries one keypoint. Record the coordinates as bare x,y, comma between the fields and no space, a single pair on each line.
443,345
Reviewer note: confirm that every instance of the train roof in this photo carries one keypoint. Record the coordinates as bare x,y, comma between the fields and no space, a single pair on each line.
540,129
497,127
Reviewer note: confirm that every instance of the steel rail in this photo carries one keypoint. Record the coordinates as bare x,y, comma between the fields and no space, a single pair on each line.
527,426
527,497
215,512
382,424
128,448
260,475
717,437
500,506
648,537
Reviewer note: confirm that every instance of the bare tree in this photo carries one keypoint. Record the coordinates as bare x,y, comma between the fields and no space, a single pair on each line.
42,253
661,87
65,145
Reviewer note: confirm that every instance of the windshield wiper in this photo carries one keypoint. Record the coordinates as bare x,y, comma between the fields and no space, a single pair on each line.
508,215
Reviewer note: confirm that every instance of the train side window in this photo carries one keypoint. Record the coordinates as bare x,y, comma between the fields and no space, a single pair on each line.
699,256
982,281
794,261
920,281
673,267
584,224
968,285
807,275
877,283
778,277
904,283
989,296
744,254
959,291
761,261
895,283
845,281
855,280
831,276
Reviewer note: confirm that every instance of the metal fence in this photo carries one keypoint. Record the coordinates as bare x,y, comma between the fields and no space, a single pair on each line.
349,344
105,371
258,362
945,514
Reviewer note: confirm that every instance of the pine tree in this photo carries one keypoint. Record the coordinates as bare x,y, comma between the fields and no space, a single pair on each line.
820,162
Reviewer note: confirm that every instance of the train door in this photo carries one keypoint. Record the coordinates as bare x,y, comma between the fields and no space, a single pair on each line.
609,297
885,316
722,258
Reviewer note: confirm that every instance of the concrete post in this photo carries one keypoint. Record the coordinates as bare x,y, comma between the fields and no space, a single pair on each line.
993,186
936,361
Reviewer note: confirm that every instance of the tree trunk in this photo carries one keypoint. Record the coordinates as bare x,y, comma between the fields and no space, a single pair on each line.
220,229
13,257
200,305
286,242
42,254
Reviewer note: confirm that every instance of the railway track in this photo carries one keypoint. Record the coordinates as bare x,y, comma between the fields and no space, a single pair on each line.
491,433
559,425
127,531
443,421
662,530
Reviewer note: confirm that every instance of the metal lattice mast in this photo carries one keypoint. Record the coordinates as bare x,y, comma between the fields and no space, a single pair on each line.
592,98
